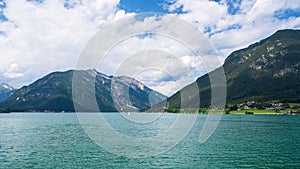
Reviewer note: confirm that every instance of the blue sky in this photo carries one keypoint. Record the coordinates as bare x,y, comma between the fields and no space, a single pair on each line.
143,5
2,6
139,6
161,6
233,7
41,36
287,13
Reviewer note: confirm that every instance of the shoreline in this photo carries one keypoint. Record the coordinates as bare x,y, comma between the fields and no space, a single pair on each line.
240,113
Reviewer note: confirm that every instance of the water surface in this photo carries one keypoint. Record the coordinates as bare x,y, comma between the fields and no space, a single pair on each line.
37,140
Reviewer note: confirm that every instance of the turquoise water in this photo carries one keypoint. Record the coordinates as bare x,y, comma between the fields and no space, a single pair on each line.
240,141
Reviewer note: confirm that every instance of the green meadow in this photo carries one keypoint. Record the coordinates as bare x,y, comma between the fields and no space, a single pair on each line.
255,111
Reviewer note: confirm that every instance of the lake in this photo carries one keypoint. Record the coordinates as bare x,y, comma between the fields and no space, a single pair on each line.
41,140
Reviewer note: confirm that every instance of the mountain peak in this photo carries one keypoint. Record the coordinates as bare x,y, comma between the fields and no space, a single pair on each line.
5,91
286,34
278,53
54,93
93,72
5,86
268,70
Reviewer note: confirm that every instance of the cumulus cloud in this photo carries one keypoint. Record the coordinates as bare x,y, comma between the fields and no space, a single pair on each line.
13,71
39,37
48,36
156,61
180,55
252,20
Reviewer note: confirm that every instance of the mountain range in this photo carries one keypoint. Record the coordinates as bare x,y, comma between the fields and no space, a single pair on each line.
6,91
266,71
54,93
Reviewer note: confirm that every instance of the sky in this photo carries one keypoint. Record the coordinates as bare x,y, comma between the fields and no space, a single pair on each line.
41,36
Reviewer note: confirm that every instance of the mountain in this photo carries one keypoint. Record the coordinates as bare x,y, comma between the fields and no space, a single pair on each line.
268,70
5,91
54,93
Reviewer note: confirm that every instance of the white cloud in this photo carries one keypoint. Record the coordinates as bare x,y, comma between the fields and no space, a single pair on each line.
193,61
45,37
155,62
171,55
255,17
13,71
201,13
